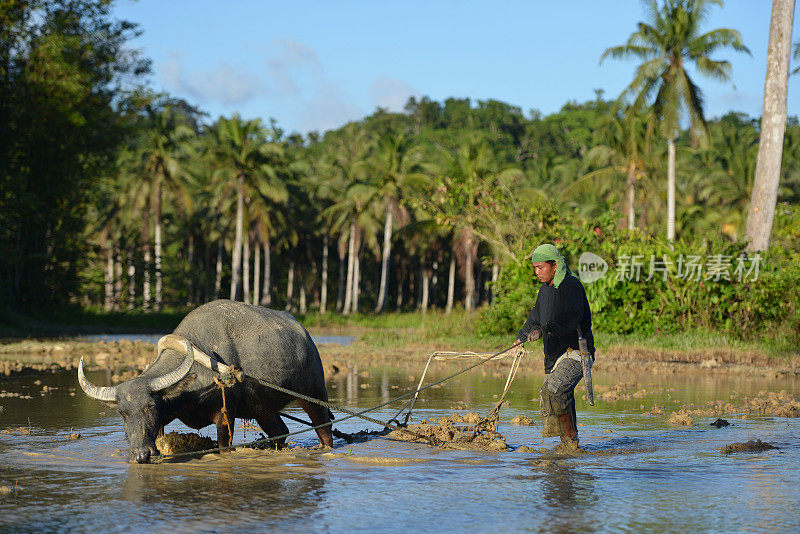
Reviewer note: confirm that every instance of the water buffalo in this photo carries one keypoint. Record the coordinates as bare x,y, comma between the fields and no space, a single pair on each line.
262,343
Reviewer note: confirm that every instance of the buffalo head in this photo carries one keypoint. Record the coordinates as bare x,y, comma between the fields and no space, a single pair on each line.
141,401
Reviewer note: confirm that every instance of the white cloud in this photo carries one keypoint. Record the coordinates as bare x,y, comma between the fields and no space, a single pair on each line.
391,93
288,69
329,108
225,83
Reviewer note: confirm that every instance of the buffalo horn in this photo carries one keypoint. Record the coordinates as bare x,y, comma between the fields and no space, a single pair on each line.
173,341
173,377
105,394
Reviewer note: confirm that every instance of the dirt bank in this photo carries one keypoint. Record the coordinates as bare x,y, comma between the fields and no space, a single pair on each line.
126,358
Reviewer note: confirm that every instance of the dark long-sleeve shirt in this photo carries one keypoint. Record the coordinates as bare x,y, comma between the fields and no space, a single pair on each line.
556,315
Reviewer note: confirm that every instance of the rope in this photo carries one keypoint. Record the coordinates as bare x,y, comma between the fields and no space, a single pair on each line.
490,421
332,406
224,411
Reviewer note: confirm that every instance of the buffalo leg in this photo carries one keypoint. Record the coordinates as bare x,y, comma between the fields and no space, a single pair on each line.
224,435
319,416
274,426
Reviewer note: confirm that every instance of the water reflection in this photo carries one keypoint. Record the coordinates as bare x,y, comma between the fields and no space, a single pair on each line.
228,496
642,473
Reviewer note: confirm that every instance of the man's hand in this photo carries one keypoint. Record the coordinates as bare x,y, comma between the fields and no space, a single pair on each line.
535,334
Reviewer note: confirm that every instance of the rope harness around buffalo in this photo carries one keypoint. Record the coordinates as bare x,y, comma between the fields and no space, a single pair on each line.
239,376
224,410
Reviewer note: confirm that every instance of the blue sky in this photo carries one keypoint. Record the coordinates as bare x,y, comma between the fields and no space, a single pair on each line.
315,65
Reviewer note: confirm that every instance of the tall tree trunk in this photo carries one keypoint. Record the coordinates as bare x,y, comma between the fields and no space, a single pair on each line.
425,274
356,283
118,278
323,292
131,278
630,196
266,294
671,188
218,270
157,240
247,297
341,283
146,267
348,291
451,284
773,128
469,271
387,248
256,272
237,243
108,286
290,287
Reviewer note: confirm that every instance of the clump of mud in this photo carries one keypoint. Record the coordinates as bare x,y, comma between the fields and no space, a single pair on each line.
446,433
19,431
680,418
782,404
568,448
625,391
177,443
750,446
523,420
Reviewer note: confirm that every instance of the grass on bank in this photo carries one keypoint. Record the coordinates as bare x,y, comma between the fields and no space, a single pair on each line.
453,331
456,331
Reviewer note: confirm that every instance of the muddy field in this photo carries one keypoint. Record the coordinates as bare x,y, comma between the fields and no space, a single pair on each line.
655,455
124,358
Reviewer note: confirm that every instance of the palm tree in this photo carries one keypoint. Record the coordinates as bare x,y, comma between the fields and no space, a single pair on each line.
347,165
253,164
773,127
624,154
468,175
164,150
668,43
399,167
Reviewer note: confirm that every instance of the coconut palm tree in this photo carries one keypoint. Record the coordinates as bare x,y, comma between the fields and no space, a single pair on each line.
671,40
252,165
628,136
350,215
466,180
399,167
164,149
773,127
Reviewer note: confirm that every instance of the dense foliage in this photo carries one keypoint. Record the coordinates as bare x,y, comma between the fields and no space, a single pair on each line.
653,286
62,66
114,197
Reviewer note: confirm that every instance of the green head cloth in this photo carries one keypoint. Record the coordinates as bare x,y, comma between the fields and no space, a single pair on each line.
548,252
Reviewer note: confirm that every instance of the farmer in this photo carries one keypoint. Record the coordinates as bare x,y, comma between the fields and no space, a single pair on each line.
561,310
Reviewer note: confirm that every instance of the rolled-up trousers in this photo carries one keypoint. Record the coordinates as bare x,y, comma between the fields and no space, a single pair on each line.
558,394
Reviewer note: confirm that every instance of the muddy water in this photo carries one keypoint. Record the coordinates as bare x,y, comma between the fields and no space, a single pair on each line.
640,473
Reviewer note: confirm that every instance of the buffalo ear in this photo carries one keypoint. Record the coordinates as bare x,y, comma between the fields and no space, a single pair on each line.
173,392
110,404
